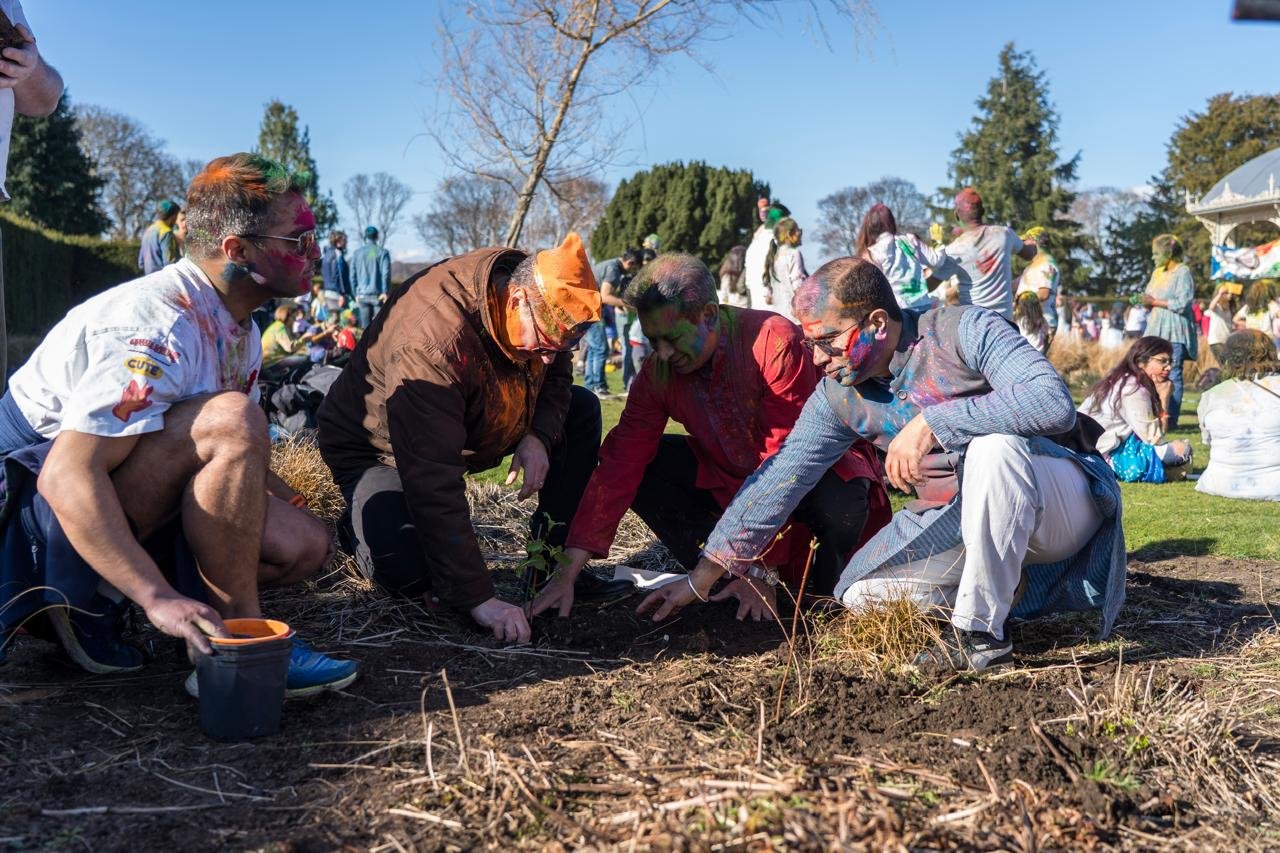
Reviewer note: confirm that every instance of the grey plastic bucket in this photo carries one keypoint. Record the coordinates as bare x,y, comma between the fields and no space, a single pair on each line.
242,683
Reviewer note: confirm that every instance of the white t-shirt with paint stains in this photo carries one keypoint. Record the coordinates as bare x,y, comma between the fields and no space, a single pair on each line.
986,277
117,362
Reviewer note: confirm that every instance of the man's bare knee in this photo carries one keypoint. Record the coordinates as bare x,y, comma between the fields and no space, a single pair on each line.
230,423
305,553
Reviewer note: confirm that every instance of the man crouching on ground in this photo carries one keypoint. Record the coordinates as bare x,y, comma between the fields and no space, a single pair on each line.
132,440
736,380
468,362
1017,513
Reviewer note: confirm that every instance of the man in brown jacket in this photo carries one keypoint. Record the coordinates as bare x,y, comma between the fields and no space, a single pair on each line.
468,362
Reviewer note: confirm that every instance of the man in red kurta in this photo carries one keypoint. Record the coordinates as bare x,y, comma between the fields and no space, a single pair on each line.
736,380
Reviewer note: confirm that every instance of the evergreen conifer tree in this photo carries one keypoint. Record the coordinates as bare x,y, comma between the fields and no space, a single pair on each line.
1009,155
51,179
280,139
695,208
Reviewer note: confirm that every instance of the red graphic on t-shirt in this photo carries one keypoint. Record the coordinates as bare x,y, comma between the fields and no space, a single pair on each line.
134,399
248,386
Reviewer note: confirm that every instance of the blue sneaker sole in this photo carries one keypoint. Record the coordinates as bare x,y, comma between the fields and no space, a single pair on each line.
317,689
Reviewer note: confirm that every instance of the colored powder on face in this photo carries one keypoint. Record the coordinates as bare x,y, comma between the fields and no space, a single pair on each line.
862,354
666,323
233,272
304,219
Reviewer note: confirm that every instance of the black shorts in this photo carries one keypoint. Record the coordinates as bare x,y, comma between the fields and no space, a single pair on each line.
39,567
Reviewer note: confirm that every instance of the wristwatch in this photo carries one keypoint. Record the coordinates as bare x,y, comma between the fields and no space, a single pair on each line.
767,574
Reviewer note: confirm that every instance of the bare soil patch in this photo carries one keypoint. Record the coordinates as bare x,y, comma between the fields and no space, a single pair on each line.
612,732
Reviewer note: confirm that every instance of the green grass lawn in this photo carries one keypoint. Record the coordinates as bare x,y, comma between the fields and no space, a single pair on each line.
1176,519
1159,521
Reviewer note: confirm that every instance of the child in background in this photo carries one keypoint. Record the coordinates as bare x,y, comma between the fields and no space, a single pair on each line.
318,309
349,332
1031,322
1112,336
640,348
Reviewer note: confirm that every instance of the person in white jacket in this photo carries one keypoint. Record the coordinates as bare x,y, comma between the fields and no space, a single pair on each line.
758,249
783,268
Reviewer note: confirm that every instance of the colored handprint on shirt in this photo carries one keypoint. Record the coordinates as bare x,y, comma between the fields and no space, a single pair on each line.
134,399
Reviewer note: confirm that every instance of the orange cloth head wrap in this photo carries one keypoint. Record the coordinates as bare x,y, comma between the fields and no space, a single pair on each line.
567,287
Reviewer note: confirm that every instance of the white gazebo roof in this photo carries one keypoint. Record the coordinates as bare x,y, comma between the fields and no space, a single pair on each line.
1251,193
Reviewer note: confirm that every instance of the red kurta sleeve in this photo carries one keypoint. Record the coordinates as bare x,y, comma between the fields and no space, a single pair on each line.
789,378
625,454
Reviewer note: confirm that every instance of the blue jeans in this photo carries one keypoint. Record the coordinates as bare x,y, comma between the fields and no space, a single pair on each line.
1175,378
367,308
596,350
624,321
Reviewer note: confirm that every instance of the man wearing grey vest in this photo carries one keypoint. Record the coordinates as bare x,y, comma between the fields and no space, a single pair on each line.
1017,514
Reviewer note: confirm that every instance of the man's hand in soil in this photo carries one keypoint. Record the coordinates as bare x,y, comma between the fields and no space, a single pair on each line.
670,599
559,592
907,450
186,619
755,599
531,457
506,620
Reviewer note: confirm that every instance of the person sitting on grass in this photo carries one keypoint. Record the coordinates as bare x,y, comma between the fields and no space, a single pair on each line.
1240,421
136,454
735,379
984,430
282,349
468,362
1126,404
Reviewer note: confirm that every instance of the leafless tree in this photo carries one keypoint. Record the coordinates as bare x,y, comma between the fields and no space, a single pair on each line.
137,171
840,214
573,204
467,212
530,79
1095,208
376,200
190,168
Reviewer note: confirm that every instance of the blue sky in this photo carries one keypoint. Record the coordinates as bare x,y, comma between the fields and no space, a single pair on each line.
806,117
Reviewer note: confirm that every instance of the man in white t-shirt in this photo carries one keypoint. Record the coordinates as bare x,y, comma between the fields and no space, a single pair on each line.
31,87
984,253
137,418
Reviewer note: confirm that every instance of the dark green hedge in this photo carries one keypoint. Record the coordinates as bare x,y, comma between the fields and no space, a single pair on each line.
46,273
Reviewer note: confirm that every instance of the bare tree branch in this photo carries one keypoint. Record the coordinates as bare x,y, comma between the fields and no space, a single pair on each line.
137,171
529,80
